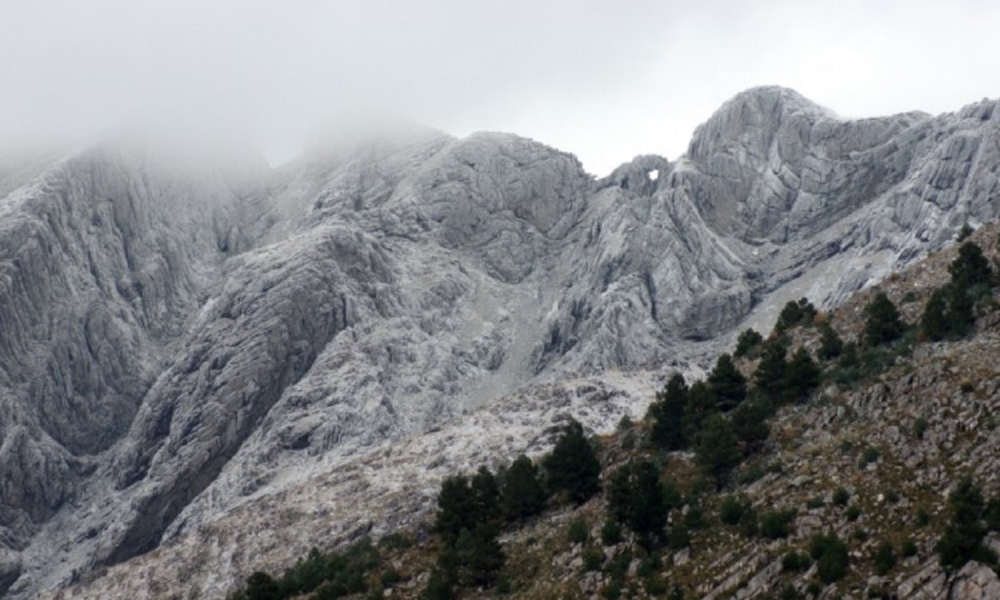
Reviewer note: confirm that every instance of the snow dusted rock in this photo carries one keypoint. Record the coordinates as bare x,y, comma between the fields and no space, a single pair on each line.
183,342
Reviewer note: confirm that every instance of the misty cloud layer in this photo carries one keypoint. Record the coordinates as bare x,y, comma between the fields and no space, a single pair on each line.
604,80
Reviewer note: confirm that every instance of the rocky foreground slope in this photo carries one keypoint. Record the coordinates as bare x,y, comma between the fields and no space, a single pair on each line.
183,340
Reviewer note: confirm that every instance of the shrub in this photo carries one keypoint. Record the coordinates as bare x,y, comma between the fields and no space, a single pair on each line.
852,513
611,533
831,556
885,558
841,496
733,508
793,560
592,559
577,532
909,548
776,524
871,455
919,427
694,518
923,518
679,537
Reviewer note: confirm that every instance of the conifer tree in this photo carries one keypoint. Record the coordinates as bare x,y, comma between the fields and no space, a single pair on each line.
970,268
667,415
572,467
769,378
700,403
457,508
750,423
521,492
962,539
748,340
882,321
636,498
728,385
485,496
830,343
801,377
480,556
717,451
934,322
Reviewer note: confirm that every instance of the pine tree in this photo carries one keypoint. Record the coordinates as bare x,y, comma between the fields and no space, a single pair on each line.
485,496
480,555
793,314
934,322
748,341
717,451
636,498
970,268
521,492
962,539
700,403
456,508
728,385
619,494
648,515
750,423
667,415
769,378
572,467
830,344
260,586
882,321
801,377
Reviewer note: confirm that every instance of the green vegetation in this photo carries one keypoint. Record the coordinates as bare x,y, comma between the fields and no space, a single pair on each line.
831,556
667,415
883,323
572,467
327,576
655,502
747,342
794,314
963,537
636,499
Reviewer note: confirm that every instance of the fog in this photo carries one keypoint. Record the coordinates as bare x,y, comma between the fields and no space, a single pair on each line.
606,81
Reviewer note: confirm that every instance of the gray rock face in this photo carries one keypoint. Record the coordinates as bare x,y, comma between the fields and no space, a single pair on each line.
178,339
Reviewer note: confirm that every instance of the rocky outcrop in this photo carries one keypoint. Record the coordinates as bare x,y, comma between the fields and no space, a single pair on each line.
180,338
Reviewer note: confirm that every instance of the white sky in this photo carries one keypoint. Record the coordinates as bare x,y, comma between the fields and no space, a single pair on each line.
604,80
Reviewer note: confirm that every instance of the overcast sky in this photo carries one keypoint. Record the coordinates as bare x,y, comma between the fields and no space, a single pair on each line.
604,80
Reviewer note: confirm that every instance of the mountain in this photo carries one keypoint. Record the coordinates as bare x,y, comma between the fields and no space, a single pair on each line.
187,342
